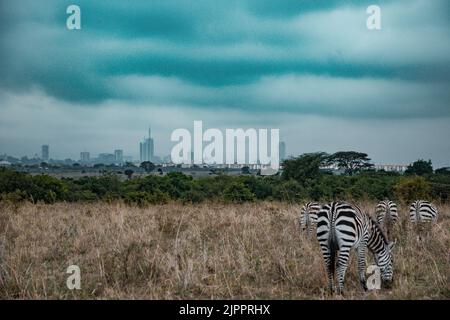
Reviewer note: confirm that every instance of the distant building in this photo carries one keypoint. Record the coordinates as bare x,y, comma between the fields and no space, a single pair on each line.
106,158
147,148
5,163
391,167
282,150
167,159
127,159
45,152
119,155
85,156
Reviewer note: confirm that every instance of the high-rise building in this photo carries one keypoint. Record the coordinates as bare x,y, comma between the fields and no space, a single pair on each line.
119,155
106,158
45,152
147,148
282,150
84,156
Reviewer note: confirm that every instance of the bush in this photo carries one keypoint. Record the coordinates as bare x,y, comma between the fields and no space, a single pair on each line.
412,188
143,198
237,192
15,197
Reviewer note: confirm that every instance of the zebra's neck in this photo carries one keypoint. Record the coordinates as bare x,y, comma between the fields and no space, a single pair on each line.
377,242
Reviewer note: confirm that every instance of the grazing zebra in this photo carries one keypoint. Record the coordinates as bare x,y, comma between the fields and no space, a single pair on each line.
308,217
422,211
421,214
387,215
341,227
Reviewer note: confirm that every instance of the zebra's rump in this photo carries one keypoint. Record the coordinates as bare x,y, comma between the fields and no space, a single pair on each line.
308,213
386,210
338,223
422,211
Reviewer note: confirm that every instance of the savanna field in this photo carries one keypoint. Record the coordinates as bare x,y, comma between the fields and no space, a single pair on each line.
202,251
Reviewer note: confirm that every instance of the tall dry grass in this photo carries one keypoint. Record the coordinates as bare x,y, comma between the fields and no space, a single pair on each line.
208,251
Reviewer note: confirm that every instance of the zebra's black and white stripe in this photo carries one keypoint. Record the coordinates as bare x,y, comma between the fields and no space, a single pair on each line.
422,211
387,216
341,227
308,217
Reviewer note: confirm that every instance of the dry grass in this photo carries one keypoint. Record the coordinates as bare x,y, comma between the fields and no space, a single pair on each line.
209,251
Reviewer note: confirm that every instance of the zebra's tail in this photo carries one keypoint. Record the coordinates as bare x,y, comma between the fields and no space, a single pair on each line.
333,248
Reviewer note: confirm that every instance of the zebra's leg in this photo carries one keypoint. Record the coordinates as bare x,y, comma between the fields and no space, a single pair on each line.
308,226
329,261
342,265
362,249
311,229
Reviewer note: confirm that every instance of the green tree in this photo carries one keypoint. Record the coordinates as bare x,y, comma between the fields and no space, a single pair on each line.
129,173
148,166
443,171
304,168
237,192
245,170
351,161
412,188
420,168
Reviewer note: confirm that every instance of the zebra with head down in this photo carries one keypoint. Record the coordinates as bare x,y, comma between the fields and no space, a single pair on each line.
341,227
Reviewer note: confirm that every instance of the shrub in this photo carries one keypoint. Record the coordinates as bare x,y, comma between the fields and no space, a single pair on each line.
237,192
14,197
143,198
412,188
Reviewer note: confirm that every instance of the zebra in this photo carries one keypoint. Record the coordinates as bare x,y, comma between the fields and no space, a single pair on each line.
387,216
341,227
421,213
308,217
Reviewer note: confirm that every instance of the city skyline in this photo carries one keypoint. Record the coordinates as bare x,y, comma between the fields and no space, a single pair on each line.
309,68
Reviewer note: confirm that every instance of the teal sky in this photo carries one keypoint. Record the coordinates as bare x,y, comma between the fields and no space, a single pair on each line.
310,68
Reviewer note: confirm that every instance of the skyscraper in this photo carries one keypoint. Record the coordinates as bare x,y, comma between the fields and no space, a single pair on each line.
45,152
84,156
119,155
147,148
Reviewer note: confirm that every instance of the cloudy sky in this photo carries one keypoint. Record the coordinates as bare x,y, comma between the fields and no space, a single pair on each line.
308,67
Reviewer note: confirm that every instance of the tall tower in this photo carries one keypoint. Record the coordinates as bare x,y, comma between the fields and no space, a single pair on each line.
45,152
118,155
147,147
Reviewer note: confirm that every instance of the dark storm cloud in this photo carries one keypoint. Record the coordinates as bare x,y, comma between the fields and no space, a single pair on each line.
234,54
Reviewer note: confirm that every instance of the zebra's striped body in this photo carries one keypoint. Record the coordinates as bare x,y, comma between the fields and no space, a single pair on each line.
341,227
308,217
387,215
422,211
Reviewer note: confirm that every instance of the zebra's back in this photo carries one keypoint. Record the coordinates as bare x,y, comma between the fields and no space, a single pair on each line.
308,216
387,216
422,211
386,209
341,227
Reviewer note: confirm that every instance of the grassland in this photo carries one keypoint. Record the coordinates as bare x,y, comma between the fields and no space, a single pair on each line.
206,251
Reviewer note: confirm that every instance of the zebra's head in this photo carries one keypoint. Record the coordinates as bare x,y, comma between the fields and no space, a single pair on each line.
386,263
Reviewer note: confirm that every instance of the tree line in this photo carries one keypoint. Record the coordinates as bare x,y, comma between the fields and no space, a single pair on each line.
303,178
